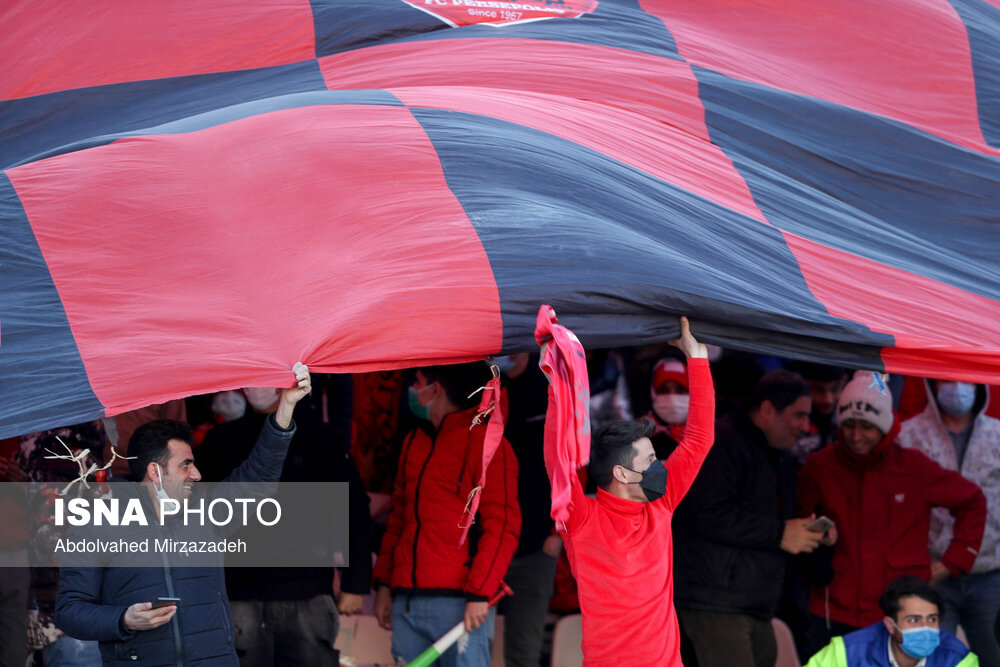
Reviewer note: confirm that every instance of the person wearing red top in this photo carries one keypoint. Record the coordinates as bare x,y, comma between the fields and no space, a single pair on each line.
619,543
880,496
670,398
426,580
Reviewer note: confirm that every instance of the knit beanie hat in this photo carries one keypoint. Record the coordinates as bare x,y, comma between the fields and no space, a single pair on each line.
866,397
669,369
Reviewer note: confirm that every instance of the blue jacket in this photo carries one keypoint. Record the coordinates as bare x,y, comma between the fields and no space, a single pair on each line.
868,647
92,600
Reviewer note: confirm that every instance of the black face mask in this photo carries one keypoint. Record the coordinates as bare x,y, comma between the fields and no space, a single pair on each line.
654,480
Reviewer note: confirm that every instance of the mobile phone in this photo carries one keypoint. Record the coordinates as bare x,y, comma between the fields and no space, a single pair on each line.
166,602
820,525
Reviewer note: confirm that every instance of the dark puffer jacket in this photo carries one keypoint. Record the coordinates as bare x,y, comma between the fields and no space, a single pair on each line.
92,600
728,529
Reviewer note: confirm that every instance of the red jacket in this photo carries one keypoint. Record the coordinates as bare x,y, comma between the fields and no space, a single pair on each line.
882,505
621,551
420,550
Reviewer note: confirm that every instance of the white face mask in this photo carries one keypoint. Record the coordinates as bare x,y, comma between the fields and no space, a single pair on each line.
160,492
229,405
956,398
262,398
671,408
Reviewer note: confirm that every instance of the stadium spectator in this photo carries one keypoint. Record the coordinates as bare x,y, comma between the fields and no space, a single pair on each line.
734,529
426,580
880,497
825,384
122,426
909,634
609,399
57,648
14,579
288,616
670,400
955,432
620,544
114,605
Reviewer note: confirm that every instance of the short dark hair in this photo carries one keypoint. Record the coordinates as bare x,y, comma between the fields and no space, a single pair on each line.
611,445
909,586
459,380
148,444
781,388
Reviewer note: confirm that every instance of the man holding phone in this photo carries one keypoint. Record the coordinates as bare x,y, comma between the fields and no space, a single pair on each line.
190,623
734,530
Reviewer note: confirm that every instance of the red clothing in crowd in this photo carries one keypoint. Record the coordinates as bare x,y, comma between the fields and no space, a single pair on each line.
882,505
621,551
421,551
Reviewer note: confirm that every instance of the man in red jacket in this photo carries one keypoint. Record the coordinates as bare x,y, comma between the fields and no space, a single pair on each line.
619,543
426,581
880,497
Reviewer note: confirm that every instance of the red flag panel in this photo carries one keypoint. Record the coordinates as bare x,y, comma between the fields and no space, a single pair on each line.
903,60
50,46
204,236
931,321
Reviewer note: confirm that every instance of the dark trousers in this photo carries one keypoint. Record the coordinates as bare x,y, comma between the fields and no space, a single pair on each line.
530,577
287,632
729,640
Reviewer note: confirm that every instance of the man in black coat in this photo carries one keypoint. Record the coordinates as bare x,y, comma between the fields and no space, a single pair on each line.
733,531
288,616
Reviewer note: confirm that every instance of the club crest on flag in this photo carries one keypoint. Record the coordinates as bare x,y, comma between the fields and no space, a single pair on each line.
500,12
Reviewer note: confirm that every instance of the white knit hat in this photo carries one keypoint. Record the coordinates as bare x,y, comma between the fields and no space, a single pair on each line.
866,397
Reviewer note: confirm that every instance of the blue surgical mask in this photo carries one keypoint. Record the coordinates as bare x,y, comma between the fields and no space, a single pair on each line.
418,410
920,642
956,398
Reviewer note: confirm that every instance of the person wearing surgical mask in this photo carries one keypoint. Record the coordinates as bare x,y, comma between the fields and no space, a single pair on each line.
955,431
427,578
909,635
670,398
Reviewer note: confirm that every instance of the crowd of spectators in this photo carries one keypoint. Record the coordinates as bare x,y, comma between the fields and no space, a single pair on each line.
823,487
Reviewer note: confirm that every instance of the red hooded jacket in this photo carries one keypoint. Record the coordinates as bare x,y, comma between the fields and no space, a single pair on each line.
437,471
882,505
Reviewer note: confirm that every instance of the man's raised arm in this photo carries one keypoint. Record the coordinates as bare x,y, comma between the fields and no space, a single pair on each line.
699,432
268,456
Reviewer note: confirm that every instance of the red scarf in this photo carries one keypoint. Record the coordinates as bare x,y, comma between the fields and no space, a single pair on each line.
675,431
489,405
567,421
